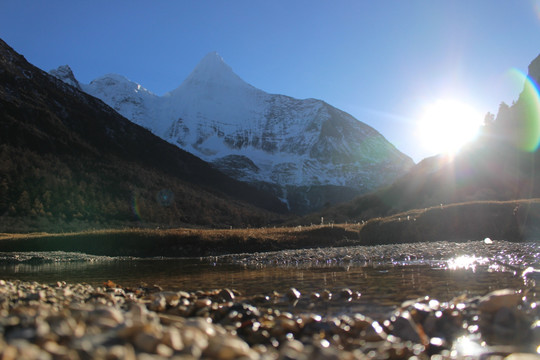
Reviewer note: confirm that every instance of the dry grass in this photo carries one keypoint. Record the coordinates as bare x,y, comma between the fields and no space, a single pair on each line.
184,242
517,220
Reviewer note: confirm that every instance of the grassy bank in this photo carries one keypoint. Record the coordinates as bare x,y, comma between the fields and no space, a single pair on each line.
510,220
517,220
183,242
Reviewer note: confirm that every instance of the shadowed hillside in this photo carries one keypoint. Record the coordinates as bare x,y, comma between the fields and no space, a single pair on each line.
68,161
502,164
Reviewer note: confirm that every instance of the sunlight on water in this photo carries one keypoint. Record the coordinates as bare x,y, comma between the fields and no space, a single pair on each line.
464,346
466,262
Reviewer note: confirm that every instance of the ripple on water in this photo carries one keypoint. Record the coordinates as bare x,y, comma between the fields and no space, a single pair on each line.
383,275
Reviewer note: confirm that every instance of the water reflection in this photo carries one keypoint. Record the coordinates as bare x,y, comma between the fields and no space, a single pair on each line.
381,287
467,346
466,262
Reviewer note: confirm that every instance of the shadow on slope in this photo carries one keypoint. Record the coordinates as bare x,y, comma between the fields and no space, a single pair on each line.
68,161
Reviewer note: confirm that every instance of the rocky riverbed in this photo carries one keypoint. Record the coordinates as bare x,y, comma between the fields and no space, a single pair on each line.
79,321
59,320
511,254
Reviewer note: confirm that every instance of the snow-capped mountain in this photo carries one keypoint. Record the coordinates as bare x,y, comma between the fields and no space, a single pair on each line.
66,75
289,145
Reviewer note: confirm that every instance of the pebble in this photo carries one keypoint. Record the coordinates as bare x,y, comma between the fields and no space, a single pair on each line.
226,295
346,294
78,321
293,294
497,299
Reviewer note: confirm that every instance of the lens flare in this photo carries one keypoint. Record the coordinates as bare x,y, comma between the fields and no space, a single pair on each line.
447,124
135,207
536,7
526,135
165,197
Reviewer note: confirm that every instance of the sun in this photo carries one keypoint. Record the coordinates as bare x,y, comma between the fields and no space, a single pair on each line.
446,125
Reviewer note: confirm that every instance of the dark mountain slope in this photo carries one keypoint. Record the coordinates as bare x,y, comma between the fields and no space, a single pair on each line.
66,157
502,164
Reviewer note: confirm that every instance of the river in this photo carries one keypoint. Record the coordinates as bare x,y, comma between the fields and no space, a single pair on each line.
381,277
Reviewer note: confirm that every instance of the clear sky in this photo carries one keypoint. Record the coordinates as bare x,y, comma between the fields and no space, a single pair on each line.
381,61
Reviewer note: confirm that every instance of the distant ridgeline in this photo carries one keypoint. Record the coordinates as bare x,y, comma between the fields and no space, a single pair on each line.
69,162
503,163
307,152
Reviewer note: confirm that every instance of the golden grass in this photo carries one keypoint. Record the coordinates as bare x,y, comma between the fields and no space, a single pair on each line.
516,220
184,242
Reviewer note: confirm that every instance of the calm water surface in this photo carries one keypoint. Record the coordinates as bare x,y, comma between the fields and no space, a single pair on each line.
383,284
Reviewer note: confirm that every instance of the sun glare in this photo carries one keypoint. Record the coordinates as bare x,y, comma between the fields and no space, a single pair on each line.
446,125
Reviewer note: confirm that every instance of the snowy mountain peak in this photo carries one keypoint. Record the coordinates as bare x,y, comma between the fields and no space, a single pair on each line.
212,72
213,60
65,74
115,85
117,81
305,151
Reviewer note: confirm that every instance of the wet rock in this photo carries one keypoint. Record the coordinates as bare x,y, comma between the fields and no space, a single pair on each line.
159,303
293,294
405,328
506,326
493,301
106,317
119,352
172,298
227,348
146,341
326,295
201,303
292,349
173,339
345,294
226,295
522,356
85,322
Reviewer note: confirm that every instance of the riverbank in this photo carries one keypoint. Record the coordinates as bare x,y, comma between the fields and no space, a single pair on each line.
184,242
78,321
515,221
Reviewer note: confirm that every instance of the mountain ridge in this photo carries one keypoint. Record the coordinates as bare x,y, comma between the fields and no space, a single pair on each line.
69,161
292,143
502,164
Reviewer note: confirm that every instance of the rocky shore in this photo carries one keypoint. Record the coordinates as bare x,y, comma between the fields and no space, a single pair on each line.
79,321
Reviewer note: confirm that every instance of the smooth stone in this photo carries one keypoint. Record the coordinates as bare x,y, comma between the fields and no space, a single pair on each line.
173,339
522,356
201,303
498,299
227,348
226,294
293,294
146,342
346,294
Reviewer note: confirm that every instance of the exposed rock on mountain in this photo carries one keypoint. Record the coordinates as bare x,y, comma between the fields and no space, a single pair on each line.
65,74
287,143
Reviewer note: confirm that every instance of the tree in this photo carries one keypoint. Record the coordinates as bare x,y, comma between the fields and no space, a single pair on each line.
489,119
23,206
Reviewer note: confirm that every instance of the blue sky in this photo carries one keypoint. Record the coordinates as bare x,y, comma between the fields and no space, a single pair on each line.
381,61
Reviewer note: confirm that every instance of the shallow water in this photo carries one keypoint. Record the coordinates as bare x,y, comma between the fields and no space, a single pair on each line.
385,276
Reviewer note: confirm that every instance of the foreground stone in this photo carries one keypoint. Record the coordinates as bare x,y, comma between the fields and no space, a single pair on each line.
78,321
